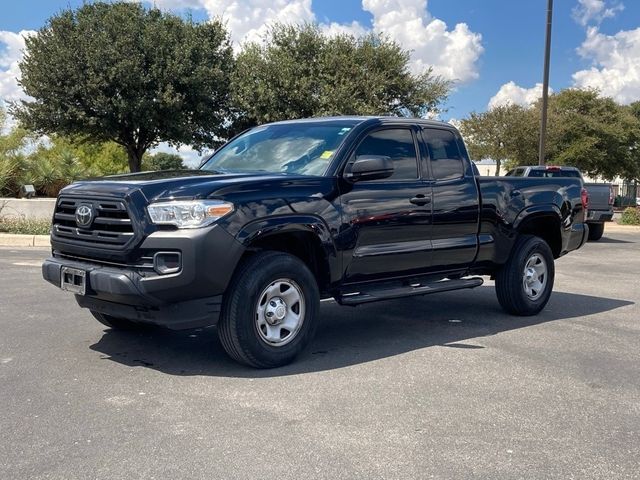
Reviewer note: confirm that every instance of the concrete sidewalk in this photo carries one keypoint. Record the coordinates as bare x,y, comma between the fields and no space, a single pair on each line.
15,240
616,227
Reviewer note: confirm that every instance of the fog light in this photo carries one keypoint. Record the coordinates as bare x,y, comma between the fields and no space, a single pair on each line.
167,262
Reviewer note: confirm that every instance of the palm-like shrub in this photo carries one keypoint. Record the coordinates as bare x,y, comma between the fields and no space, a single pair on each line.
49,173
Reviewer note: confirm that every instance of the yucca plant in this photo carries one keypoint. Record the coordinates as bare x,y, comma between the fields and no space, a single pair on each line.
50,173
7,171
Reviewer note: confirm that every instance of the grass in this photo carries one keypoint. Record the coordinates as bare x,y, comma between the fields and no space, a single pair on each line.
25,226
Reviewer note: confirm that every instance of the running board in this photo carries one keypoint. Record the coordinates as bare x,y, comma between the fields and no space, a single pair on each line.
377,294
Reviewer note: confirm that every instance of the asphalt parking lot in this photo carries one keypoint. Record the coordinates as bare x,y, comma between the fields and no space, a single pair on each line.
443,386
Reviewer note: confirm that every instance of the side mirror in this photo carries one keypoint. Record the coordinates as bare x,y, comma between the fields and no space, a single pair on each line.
369,167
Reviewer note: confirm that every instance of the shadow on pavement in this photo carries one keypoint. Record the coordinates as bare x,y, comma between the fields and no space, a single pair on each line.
349,336
612,240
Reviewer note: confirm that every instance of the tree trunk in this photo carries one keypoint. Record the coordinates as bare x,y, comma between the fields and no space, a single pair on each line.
135,159
498,162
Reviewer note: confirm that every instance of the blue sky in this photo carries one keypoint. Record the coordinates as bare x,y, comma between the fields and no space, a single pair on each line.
595,42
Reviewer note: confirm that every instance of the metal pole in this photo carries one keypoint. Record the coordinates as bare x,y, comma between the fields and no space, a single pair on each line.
545,84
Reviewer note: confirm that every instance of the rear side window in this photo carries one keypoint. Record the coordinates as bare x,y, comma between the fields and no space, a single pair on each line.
397,144
548,173
444,154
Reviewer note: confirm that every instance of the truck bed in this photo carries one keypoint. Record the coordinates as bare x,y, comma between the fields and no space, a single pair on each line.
507,201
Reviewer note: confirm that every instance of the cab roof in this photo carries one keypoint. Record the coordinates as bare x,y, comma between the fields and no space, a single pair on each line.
357,120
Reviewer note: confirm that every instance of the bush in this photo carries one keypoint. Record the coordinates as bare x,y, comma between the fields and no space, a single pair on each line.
7,173
630,216
50,171
163,161
25,226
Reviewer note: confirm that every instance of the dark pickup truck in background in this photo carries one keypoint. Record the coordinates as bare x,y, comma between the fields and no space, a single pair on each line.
358,209
600,209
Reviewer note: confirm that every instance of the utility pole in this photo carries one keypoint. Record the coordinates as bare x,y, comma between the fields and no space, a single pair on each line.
545,84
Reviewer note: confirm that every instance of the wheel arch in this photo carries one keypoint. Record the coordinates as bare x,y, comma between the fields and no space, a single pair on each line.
544,222
305,237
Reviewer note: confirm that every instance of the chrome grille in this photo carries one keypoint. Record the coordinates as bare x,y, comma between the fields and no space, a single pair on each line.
110,226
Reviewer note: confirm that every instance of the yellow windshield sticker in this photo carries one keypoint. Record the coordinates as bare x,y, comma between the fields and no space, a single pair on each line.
326,154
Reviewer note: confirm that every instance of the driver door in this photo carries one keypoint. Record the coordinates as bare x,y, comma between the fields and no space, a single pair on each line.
388,221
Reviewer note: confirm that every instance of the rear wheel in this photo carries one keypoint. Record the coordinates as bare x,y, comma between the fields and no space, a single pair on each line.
595,231
270,311
118,323
525,282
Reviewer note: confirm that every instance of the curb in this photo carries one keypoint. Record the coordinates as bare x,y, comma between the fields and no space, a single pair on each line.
16,240
612,226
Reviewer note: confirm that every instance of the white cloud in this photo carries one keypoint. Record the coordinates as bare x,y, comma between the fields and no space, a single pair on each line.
249,20
176,4
512,94
615,69
11,49
354,28
455,122
595,11
452,53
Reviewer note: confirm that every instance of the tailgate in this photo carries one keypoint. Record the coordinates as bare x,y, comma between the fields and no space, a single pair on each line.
598,195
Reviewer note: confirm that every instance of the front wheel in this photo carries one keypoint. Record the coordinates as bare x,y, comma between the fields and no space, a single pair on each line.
595,231
525,282
270,311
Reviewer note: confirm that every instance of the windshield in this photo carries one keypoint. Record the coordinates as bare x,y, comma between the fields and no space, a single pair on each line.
300,148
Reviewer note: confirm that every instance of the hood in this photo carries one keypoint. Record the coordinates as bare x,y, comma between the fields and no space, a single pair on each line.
173,184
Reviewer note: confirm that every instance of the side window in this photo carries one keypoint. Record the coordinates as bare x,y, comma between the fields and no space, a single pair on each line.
445,157
396,143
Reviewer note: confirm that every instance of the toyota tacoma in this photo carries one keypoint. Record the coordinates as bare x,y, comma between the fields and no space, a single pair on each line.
358,209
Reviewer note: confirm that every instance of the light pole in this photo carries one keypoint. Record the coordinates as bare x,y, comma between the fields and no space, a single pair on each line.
545,84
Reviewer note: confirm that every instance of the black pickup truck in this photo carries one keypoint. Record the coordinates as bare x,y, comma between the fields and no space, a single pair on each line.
358,209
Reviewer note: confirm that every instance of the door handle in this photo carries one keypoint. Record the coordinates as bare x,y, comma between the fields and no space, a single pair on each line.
420,200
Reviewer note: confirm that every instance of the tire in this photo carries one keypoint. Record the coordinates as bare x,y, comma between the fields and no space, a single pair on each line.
270,311
524,284
595,231
118,323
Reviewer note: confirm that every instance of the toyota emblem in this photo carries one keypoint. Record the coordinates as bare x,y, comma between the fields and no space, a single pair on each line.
84,215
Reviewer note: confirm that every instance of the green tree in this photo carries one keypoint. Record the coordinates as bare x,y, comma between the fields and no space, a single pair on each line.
634,148
592,133
301,72
505,134
163,161
123,73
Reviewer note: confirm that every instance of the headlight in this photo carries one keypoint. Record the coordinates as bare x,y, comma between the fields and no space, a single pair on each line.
188,214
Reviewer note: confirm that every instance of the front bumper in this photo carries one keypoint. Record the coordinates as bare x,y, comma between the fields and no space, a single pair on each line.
190,298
